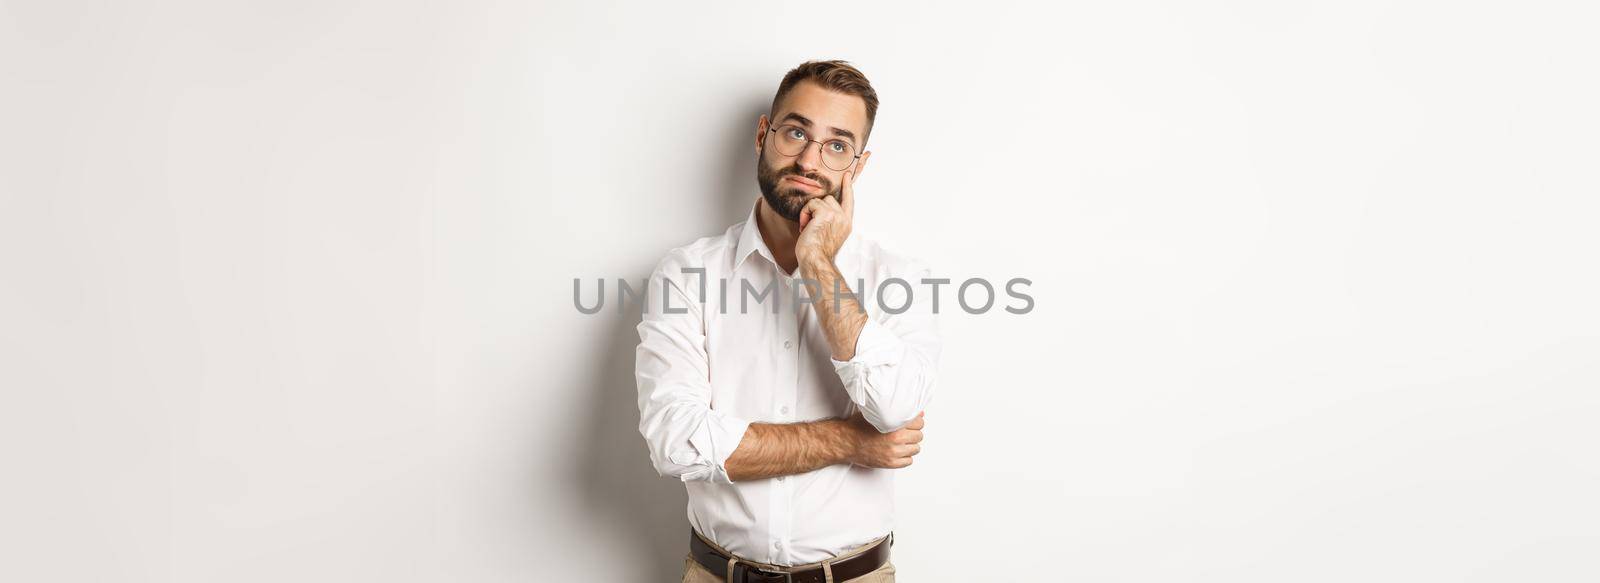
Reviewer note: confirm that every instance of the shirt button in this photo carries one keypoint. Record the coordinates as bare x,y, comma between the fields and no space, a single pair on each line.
780,478
787,344
777,546
784,409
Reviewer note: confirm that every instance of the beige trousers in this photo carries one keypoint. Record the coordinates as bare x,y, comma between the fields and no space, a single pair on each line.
694,573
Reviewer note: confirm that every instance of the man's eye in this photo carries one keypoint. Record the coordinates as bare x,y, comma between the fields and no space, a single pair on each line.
797,134
837,146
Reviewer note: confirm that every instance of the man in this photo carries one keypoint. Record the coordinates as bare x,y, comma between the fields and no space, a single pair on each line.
780,378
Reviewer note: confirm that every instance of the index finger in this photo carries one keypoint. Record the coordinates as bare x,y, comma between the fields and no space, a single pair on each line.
847,193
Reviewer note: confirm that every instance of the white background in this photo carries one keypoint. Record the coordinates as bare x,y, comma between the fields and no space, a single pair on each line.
288,285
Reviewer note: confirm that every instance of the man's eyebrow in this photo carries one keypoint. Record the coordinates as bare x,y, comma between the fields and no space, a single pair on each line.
807,122
797,117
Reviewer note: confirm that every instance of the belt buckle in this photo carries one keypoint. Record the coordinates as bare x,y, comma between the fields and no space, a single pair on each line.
788,577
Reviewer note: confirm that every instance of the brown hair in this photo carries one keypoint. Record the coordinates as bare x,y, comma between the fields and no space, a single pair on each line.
835,75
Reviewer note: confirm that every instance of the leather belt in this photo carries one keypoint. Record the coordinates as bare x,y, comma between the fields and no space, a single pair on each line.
716,562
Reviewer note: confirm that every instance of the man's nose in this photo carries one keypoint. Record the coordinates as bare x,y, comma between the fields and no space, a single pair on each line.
810,158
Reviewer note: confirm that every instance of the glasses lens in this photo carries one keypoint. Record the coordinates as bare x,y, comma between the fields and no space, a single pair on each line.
838,154
790,140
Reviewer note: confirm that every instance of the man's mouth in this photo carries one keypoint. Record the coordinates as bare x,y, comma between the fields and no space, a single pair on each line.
802,181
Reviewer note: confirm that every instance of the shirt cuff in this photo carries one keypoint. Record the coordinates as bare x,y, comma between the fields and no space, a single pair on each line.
713,442
875,346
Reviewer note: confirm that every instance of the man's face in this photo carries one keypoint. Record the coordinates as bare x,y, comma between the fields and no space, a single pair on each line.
788,182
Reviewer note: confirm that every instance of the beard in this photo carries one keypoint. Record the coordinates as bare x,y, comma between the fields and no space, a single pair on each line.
788,200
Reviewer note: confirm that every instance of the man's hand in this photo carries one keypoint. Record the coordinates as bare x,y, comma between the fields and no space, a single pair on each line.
825,222
892,450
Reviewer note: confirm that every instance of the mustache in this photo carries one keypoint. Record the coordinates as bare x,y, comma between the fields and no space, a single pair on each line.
814,177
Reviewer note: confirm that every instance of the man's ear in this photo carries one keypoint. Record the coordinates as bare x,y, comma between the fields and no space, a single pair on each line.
861,165
761,131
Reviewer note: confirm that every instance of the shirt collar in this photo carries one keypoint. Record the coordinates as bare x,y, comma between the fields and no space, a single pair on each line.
750,241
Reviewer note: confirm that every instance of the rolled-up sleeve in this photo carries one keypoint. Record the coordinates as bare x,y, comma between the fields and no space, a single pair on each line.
687,438
892,375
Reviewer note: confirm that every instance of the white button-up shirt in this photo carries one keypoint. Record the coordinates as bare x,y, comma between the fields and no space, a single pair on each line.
714,357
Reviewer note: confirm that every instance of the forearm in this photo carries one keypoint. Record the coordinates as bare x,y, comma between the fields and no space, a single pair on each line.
838,310
769,450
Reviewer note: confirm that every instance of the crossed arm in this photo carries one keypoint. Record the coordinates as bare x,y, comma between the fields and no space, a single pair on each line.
770,450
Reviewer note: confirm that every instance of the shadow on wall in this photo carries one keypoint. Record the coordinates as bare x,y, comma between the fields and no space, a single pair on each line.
645,515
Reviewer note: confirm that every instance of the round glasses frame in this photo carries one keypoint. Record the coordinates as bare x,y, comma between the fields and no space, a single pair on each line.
820,144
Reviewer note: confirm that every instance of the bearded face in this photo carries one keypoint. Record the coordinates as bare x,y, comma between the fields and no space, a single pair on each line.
787,197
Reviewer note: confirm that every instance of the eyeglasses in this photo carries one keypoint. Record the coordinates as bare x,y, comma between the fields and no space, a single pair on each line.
793,139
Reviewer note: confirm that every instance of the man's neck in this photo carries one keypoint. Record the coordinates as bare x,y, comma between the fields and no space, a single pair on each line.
779,234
